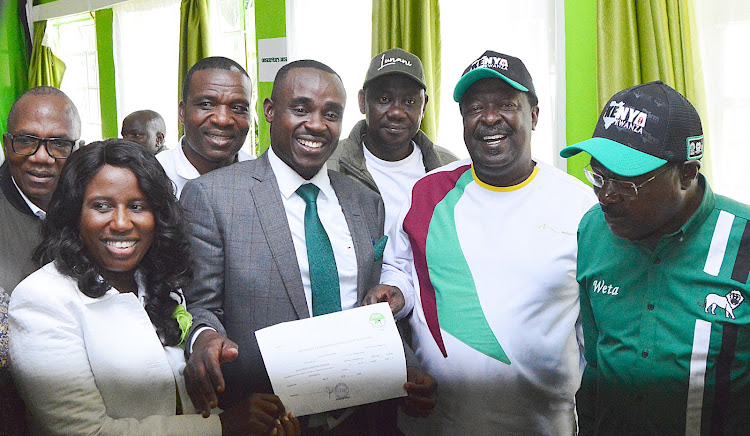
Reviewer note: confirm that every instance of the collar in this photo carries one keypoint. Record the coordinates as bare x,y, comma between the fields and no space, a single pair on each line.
392,164
288,179
516,187
184,168
36,210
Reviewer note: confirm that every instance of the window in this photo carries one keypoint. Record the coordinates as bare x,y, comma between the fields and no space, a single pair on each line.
723,33
531,35
73,40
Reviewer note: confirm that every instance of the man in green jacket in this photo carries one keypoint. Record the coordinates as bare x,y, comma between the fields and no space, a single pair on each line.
663,268
387,152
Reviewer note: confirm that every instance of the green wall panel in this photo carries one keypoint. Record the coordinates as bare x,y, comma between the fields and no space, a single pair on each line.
580,71
270,22
107,93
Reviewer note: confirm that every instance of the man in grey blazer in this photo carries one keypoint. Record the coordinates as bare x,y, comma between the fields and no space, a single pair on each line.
252,269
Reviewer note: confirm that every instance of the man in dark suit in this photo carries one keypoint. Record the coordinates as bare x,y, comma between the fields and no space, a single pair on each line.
250,238
43,129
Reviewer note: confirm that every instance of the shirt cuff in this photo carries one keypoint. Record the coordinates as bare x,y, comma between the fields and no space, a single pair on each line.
196,334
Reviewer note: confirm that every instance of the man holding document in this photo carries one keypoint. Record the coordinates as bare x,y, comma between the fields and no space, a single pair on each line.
281,239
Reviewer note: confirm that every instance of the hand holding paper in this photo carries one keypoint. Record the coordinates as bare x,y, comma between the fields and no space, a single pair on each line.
335,361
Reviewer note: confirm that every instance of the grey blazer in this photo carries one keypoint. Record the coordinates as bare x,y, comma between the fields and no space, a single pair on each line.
246,271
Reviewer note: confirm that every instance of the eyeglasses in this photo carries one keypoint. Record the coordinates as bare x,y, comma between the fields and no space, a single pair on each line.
622,187
28,145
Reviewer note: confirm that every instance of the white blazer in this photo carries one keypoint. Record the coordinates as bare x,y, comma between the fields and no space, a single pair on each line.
95,365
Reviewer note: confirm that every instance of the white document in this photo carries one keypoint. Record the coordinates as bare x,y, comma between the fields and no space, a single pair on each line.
335,361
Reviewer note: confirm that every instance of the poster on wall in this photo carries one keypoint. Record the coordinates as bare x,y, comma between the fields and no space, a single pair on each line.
272,55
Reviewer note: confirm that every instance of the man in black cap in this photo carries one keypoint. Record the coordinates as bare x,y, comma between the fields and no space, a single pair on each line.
387,152
663,268
489,244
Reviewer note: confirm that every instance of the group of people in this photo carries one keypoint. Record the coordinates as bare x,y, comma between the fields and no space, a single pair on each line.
527,303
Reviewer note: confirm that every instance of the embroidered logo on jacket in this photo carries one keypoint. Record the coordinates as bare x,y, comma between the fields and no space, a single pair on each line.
727,302
602,288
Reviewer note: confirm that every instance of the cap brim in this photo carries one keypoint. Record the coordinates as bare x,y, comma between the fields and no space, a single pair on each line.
394,72
616,157
472,76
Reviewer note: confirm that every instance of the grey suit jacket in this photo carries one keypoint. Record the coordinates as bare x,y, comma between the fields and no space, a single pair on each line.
246,271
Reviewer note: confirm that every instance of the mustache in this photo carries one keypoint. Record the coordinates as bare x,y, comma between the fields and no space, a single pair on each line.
483,131
612,211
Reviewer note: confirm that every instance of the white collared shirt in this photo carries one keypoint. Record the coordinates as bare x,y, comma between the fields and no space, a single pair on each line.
180,170
333,220
36,210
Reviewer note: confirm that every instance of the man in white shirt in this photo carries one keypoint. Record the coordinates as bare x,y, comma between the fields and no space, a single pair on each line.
43,129
249,231
387,152
215,110
489,246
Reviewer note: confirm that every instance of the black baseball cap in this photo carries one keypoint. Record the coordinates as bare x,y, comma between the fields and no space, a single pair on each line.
642,128
396,61
497,65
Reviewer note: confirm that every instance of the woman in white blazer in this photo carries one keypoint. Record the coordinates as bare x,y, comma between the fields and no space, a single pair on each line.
95,333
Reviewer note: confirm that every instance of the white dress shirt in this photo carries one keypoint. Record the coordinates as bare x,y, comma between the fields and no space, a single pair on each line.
180,170
36,210
334,223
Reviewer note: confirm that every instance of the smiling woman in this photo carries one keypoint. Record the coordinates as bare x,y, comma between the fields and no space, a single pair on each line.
95,329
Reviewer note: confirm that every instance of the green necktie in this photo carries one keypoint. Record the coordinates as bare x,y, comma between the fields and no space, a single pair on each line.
324,277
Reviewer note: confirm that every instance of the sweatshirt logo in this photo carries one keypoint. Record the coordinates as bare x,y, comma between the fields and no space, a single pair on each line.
625,117
602,288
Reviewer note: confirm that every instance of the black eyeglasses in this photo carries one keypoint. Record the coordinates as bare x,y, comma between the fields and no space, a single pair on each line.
622,187
28,145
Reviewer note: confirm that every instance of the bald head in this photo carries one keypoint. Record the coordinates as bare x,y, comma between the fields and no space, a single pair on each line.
39,95
145,127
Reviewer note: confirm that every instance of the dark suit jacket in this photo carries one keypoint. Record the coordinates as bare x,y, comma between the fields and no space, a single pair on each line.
246,272
19,234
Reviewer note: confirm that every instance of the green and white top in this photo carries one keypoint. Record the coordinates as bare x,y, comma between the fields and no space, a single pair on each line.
667,331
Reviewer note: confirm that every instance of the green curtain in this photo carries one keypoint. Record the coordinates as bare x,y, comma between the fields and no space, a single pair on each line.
413,25
14,78
194,39
644,40
45,69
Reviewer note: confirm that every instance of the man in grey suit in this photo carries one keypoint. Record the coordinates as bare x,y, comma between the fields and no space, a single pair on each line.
43,129
249,235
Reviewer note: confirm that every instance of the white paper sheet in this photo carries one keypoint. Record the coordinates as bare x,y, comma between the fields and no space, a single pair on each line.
335,361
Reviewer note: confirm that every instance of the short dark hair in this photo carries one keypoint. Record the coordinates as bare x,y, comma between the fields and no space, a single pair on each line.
304,63
166,267
50,91
210,63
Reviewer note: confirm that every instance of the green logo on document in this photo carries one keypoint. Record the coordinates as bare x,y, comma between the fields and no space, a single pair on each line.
377,319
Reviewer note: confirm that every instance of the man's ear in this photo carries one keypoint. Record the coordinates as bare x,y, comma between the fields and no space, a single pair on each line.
268,109
362,102
181,112
689,172
6,145
159,138
534,117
